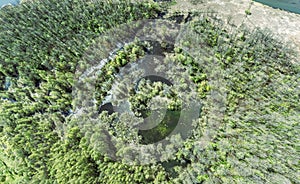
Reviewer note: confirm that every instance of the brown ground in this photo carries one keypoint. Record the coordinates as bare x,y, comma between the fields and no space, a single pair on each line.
285,25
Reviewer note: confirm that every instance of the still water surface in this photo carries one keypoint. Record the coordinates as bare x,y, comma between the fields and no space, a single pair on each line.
288,5
4,2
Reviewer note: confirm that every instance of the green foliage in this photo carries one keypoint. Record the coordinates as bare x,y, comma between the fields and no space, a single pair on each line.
140,105
248,12
71,162
253,139
197,75
130,53
146,90
41,44
261,78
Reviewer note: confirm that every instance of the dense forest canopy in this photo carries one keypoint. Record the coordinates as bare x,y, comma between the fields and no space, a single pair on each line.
246,84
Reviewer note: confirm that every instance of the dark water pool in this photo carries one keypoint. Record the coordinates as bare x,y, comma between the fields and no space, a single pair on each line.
288,5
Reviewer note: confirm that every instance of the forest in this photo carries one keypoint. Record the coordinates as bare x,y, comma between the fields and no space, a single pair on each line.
84,83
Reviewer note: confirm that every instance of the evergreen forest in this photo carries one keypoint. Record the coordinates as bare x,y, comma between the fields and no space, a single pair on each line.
227,99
